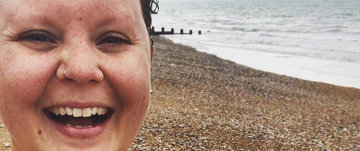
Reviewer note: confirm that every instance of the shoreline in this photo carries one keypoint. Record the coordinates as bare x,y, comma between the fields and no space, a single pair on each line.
203,102
334,72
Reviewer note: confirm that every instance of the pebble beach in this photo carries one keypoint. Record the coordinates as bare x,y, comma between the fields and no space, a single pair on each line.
202,102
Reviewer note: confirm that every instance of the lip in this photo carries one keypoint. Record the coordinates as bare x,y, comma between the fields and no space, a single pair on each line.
74,132
80,132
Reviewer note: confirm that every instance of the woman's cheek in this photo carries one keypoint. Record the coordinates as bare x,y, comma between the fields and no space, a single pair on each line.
25,76
132,86
130,77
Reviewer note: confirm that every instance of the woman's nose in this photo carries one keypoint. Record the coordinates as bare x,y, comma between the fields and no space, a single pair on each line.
80,64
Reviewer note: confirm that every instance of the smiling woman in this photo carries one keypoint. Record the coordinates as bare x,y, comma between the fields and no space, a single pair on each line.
75,75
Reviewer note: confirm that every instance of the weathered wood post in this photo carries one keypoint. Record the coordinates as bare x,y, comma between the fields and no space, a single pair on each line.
170,32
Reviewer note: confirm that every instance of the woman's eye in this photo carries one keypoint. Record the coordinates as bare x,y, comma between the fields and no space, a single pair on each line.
37,38
113,43
112,40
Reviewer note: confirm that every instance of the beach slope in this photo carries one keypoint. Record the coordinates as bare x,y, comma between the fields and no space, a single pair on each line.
200,101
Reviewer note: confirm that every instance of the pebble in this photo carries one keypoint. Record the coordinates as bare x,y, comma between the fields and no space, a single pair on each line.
7,144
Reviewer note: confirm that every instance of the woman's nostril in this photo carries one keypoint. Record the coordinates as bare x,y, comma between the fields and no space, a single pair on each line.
68,79
80,74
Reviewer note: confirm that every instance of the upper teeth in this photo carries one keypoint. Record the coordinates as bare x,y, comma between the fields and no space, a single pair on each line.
79,112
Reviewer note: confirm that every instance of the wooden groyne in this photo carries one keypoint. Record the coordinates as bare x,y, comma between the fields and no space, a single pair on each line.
170,32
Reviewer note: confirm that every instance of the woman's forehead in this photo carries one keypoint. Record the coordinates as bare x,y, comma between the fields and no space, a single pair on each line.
64,11
69,5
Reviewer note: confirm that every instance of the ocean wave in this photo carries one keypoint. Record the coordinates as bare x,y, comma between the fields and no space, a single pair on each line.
245,29
300,28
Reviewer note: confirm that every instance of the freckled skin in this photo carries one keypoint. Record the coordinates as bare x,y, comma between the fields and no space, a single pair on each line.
31,76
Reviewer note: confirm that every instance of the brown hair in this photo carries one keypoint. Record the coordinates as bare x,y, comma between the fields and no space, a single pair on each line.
146,10
149,7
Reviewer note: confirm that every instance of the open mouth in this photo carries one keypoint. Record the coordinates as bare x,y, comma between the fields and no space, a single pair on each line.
79,118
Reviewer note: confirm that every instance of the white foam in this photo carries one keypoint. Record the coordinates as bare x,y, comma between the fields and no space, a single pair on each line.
313,69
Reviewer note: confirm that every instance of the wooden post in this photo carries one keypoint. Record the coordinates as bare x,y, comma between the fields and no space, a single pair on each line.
172,30
181,31
199,32
190,32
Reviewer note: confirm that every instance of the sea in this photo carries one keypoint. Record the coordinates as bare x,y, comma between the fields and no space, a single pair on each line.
316,40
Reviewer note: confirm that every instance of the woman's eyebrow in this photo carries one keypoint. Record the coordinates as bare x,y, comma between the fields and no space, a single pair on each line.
27,19
121,16
125,21
34,21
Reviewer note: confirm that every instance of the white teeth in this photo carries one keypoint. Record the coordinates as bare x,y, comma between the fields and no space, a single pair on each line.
86,112
68,111
55,111
104,111
79,126
90,126
99,111
93,110
62,111
79,112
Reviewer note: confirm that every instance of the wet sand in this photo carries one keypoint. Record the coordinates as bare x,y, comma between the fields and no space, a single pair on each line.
202,102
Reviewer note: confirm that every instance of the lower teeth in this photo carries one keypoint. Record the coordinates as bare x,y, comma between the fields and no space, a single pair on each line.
79,126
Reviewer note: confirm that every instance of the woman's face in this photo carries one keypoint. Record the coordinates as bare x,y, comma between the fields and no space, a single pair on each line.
74,75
